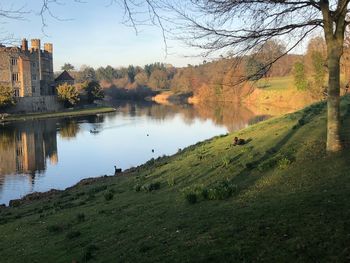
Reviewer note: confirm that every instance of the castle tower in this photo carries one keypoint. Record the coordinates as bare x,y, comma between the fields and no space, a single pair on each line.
35,43
48,68
24,46
48,47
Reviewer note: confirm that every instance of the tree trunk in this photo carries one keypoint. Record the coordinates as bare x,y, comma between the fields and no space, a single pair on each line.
333,106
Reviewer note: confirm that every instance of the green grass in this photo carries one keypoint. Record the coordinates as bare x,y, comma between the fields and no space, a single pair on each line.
279,198
66,113
287,82
275,83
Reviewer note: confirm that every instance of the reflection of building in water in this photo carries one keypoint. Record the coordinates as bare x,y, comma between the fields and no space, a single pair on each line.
25,147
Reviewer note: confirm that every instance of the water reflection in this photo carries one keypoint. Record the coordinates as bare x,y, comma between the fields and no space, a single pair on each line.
233,116
69,130
56,153
26,146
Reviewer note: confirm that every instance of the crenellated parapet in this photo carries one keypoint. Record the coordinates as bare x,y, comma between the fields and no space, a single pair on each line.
29,70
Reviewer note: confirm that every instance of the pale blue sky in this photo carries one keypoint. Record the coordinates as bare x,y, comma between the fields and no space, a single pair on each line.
93,34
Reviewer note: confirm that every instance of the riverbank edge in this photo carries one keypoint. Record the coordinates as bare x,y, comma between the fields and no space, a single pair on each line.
48,115
270,211
257,99
32,197
35,196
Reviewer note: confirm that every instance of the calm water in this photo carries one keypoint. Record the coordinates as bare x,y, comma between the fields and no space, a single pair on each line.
57,153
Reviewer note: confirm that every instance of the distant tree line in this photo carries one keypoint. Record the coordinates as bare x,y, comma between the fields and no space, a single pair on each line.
221,79
156,76
216,79
132,82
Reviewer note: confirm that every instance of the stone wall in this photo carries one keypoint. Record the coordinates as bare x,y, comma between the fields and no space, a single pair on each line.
5,68
36,104
34,58
25,77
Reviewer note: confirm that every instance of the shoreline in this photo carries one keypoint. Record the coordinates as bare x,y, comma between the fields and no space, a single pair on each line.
48,115
37,195
249,195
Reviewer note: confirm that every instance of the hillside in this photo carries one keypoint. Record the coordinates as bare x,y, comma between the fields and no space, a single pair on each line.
279,92
278,198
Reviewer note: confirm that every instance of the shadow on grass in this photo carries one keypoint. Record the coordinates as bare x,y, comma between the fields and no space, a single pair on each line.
244,180
345,126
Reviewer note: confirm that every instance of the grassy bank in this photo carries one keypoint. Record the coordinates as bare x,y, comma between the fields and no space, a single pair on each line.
270,93
66,113
279,92
279,198
275,83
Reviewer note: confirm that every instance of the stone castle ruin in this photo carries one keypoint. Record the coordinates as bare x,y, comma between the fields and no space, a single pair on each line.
29,71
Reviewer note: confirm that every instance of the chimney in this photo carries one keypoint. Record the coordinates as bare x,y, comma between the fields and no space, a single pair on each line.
35,44
48,47
24,44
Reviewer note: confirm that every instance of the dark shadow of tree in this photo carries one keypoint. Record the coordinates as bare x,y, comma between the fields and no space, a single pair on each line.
244,180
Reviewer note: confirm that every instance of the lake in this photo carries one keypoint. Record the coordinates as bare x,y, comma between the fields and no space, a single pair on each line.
57,153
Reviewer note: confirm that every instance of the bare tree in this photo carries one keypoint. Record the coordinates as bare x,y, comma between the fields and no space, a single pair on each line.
241,25
8,13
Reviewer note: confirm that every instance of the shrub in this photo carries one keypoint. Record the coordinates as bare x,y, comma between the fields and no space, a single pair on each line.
55,228
283,163
266,165
151,187
271,151
145,187
94,91
171,181
226,161
108,196
191,198
88,252
68,94
7,96
137,188
205,193
221,190
73,234
90,197
81,217
250,165
196,190
300,80
97,189
150,162
80,194
155,186
80,203
301,122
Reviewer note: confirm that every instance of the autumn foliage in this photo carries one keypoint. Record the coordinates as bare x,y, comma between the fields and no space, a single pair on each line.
6,96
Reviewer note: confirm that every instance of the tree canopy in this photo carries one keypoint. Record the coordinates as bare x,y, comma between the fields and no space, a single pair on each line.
68,94
6,96
94,91
67,66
